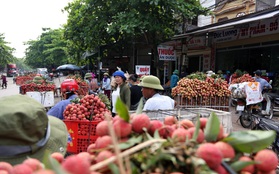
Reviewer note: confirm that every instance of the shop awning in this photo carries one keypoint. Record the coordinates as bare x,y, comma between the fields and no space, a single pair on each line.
227,25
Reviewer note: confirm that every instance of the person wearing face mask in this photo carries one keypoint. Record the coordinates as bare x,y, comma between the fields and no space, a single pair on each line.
121,90
136,93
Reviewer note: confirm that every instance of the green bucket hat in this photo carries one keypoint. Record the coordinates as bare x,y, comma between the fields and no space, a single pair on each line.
175,71
151,81
27,131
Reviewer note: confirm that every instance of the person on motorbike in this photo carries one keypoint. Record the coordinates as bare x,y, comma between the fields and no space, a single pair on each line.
69,89
264,85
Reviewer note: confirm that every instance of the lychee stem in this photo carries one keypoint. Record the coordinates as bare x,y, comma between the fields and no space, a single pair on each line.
115,145
126,153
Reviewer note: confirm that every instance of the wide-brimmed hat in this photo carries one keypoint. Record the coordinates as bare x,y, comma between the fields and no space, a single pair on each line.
27,131
88,75
175,71
258,72
120,74
106,74
151,81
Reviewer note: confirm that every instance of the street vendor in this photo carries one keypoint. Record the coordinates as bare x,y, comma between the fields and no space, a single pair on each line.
150,90
69,89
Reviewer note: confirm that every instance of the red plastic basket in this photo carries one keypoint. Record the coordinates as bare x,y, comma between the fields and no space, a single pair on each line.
82,134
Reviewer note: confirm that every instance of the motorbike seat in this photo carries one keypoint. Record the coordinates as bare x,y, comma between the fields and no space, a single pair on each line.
270,124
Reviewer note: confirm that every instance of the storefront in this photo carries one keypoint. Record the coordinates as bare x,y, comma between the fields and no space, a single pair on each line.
248,43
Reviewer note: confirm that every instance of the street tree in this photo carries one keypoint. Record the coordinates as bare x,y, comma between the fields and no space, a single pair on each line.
6,52
93,23
49,50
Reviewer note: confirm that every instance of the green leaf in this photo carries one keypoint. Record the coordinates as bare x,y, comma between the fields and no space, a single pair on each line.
131,142
196,133
140,106
212,128
122,110
156,134
238,165
250,141
114,168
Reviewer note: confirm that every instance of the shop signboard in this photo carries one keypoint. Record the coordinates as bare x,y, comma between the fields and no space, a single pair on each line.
166,53
142,70
255,29
196,43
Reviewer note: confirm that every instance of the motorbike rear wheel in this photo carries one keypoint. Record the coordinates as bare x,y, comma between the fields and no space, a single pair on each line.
246,119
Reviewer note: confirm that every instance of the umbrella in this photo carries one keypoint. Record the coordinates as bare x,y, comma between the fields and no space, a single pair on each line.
68,67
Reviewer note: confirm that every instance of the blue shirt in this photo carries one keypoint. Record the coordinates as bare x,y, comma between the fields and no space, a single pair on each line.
58,109
173,81
263,83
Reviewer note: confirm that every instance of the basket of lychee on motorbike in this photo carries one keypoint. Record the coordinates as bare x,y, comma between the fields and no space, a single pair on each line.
249,101
81,118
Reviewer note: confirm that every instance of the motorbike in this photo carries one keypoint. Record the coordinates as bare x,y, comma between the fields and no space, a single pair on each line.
246,112
272,105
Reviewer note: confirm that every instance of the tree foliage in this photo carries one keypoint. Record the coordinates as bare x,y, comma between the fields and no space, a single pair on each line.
6,52
49,50
93,23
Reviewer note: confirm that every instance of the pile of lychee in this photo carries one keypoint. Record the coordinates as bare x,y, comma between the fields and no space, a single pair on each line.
90,107
144,146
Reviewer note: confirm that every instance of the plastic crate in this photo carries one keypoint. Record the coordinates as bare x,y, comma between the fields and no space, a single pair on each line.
81,135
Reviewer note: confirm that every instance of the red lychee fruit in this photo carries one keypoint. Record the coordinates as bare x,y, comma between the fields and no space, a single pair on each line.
85,155
264,157
181,134
102,128
103,155
156,125
58,156
250,168
91,148
21,169
220,170
75,164
4,172
168,131
139,122
203,122
186,123
170,120
6,166
210,154
226,149
200,137
35,164
103,142
122,128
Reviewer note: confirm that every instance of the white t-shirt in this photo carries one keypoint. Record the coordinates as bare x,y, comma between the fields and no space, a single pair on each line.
159,102
114,95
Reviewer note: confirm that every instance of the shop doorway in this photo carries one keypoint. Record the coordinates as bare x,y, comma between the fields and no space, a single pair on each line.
194,64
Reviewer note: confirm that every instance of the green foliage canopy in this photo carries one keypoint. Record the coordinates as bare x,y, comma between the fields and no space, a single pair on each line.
93,23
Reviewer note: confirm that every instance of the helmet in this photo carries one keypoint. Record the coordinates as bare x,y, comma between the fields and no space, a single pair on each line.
69,85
